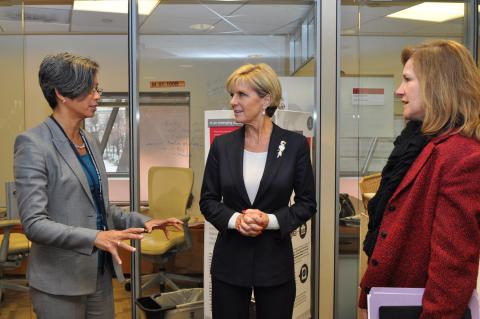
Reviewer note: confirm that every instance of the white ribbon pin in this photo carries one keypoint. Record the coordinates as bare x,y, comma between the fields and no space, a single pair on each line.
281,148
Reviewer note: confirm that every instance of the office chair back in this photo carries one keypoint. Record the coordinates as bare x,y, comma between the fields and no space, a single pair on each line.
368,186
169,190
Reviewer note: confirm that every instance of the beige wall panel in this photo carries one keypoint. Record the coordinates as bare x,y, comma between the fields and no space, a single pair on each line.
11,104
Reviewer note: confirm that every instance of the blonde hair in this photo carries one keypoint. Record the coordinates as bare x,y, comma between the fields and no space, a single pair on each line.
262,79
449,85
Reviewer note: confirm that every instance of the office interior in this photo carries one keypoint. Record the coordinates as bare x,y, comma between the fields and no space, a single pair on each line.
184,52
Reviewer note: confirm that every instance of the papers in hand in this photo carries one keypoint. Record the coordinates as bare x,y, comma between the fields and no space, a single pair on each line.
382,296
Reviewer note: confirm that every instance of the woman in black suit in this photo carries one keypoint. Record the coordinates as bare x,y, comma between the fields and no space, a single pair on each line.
249,178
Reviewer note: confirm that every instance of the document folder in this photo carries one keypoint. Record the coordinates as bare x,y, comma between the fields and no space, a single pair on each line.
406,303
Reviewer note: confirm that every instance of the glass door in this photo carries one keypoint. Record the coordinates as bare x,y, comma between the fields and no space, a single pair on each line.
15,303
370,115
190,47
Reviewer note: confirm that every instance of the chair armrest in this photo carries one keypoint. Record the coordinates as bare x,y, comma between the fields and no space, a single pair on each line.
186,231
9,223
7,226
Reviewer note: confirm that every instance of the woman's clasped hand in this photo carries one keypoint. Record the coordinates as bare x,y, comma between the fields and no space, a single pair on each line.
251,222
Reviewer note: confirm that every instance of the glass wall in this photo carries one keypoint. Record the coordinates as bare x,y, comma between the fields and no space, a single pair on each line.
186,51
370,115
12,122
12,113
191,48
27,34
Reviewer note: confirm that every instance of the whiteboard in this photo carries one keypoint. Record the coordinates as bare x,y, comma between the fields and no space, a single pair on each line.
164,141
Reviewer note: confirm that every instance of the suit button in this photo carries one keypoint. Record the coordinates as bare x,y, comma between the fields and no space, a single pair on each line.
383,234
374,262
391,208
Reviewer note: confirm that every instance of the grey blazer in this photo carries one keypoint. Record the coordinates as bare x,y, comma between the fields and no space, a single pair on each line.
58,213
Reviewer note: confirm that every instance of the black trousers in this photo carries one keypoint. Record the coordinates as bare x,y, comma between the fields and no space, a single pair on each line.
232,302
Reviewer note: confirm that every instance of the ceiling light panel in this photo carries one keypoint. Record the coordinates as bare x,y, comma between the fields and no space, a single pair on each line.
431,11
145,7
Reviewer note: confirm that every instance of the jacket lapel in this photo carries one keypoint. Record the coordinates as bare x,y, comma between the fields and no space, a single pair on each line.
235,154
98,158
65,150
273,162
419,163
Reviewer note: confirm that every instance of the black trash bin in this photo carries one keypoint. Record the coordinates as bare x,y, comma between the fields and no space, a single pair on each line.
180,304
151,309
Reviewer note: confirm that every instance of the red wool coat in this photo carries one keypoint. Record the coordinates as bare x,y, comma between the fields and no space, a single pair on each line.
430,234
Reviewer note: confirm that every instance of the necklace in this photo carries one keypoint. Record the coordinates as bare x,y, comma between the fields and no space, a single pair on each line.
79,146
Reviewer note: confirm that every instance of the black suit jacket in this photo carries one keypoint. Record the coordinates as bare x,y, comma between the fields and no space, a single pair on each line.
265,260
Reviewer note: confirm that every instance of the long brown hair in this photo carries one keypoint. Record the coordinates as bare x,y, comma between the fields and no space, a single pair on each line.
450,87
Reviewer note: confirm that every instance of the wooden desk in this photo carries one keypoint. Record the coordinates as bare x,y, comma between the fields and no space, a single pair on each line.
348,240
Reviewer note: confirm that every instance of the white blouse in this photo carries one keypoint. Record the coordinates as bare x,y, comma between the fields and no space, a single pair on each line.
253,167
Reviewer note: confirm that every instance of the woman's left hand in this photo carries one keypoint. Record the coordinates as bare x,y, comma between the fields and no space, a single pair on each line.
256,216
162,224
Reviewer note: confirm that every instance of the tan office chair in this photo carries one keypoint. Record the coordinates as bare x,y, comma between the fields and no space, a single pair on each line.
13,248
368,187
169,190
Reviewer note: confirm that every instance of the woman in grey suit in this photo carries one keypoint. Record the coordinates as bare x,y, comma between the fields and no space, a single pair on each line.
63,202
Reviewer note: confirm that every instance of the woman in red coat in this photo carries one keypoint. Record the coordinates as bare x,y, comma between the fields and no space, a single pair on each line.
424,220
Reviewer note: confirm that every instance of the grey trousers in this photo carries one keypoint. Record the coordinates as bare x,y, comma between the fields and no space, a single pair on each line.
98,305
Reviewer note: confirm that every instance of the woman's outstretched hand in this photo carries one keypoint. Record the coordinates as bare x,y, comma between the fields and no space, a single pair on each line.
112,240
162,224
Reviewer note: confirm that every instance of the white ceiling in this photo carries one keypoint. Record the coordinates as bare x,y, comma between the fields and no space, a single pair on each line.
245,18
263,25
227,18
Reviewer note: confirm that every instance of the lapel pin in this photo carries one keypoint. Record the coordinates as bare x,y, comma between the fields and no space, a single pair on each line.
281,148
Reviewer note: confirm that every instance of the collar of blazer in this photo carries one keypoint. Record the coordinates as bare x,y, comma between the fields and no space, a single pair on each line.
62,144
420,162
272,164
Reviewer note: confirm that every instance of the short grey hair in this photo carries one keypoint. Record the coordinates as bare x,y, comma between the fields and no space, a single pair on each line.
70,74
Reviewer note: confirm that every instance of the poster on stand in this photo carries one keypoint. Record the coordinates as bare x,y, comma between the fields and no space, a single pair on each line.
221,122
216,123
300,122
